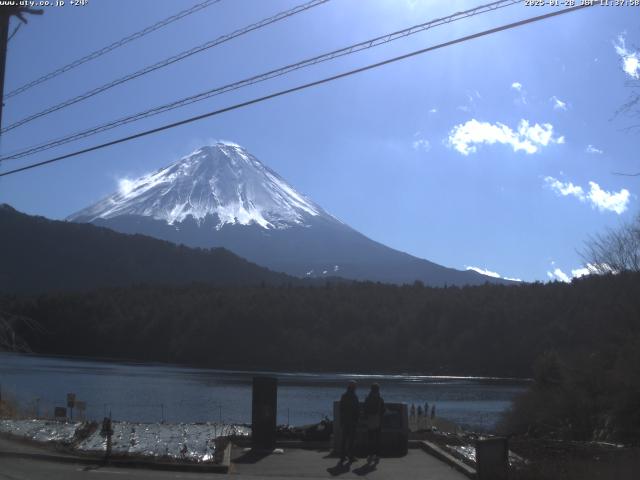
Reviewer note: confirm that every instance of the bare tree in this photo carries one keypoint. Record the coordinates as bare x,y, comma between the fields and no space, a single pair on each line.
631,108
616,250
9,339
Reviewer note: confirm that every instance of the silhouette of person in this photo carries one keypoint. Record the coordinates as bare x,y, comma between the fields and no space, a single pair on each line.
433,411
419,410
412,411
374,409
349,412
107,431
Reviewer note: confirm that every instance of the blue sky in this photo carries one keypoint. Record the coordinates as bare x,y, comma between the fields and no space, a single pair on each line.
496,154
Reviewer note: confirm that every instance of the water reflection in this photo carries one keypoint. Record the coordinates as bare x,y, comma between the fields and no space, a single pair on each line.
158,392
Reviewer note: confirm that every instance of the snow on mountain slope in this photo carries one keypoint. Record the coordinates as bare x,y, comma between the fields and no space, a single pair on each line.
222,180
222,196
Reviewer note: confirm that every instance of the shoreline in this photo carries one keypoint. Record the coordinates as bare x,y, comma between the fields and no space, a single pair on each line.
256,371
179,442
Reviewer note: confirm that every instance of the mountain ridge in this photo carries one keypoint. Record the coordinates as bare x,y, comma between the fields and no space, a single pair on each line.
42,255
222,196
222,180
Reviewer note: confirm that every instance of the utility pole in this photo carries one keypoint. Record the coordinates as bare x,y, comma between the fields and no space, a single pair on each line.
6,12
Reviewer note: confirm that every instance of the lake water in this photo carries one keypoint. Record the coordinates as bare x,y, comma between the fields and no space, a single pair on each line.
152,392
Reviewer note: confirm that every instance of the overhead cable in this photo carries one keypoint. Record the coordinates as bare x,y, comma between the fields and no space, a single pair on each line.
299,88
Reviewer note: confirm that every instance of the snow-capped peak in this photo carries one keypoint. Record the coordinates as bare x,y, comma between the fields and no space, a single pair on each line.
222,180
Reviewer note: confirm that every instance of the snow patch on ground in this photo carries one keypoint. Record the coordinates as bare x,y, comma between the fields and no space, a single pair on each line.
193,442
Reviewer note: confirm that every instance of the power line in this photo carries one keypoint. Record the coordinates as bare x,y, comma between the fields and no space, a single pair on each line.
111,47
15,30
367,44
627,174
168,61
6,13
300,87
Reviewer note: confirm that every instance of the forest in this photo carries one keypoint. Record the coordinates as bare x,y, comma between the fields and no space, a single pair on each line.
42,255
579,341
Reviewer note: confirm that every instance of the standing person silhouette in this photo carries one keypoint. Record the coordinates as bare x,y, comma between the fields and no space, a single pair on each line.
349,412
374,409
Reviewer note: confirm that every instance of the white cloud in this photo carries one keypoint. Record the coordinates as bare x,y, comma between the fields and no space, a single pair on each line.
228,143
433,110
597,197
421,144
608,201
558,104
592,149
484,271
580,272
522,95
125,185
630,60
565,188
489,273
529,138
558,274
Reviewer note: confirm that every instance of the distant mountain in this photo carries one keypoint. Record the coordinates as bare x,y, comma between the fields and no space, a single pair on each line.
222,196
38,255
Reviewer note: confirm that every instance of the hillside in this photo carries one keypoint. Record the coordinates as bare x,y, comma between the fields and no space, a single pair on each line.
222,196
488,330
38,255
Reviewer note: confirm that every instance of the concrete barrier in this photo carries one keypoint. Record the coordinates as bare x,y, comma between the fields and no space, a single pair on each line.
394,435
492,458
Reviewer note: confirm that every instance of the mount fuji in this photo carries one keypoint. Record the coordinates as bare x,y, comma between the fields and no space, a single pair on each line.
222,196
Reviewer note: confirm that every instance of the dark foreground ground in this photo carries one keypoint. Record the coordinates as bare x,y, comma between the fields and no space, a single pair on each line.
292,463
545,459
575,460
553,459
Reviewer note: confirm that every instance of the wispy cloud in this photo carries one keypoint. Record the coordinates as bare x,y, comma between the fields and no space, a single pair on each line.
558,104
603,200
421,144
522,94
125,185
472,97
529,138
226,142
630,60
489,273
433,110
593,150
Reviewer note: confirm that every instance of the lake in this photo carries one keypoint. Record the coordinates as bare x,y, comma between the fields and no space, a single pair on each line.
159,392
